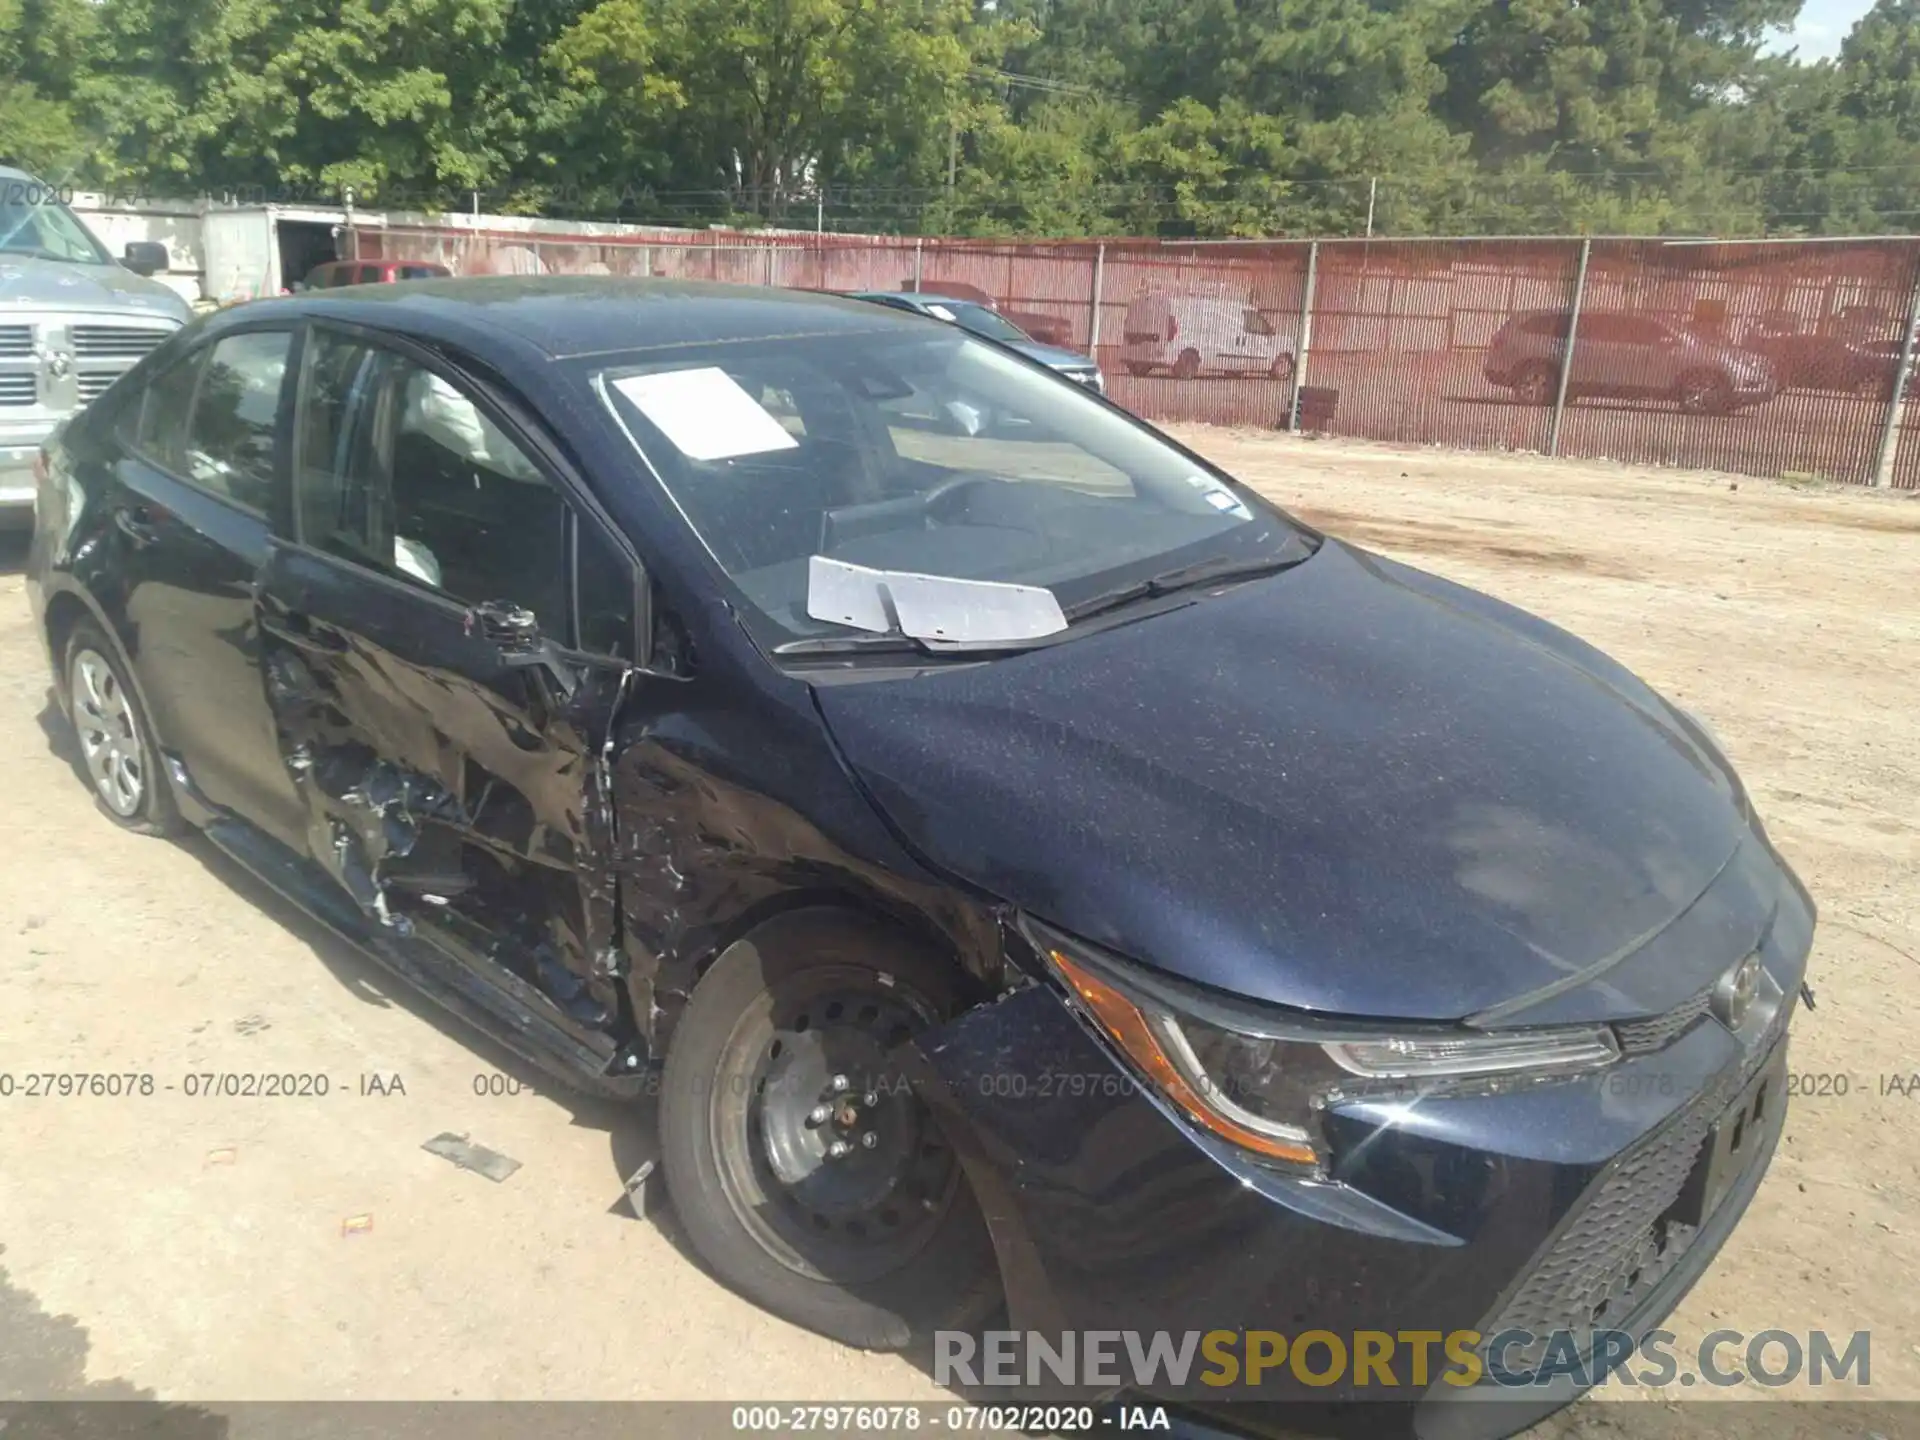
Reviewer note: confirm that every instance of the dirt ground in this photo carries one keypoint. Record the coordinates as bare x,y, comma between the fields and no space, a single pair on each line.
282,1249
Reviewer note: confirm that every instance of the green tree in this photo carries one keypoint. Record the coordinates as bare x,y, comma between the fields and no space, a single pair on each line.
786,95
1852,161
43,45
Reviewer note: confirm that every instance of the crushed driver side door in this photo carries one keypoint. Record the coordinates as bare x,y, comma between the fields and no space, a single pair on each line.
426,627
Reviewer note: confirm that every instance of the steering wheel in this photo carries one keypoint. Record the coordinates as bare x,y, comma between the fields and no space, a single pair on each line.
933,501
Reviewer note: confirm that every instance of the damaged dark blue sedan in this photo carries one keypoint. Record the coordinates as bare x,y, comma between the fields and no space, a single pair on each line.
1027,866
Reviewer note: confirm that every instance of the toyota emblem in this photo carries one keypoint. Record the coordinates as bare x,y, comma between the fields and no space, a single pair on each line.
1734,995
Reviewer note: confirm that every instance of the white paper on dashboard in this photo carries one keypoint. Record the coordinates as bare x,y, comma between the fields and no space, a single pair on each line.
705,413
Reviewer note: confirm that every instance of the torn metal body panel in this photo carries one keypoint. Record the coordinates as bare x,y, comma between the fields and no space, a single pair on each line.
732,805
451,792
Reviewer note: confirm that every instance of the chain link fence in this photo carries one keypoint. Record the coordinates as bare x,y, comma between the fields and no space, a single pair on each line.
1773,358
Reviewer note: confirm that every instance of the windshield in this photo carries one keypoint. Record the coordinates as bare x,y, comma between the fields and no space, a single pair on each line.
982,321
925,453
48,231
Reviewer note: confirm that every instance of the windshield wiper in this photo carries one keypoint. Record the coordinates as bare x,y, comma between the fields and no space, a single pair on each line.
869,643
1204,572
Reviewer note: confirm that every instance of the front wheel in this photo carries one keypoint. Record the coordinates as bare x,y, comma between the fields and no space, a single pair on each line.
1536,385
1705,392
1282,369
805,1169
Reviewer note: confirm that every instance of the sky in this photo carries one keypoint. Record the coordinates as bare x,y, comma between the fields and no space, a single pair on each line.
1823,24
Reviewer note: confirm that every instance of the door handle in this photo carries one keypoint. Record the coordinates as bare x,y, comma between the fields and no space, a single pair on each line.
300,632
136,522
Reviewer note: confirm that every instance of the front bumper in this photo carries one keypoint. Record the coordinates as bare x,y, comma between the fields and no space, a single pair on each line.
1544,1208
16,482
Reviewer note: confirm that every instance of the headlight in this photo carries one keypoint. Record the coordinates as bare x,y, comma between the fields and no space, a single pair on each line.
1261,1079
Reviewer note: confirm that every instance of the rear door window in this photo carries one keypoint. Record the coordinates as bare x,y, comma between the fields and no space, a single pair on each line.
236,410
160,429
212,419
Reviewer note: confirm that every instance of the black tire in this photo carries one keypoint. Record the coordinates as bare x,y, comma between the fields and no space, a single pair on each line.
1187,366
878,1248
1536,384
115,743
1704,392
1139,367
1282,369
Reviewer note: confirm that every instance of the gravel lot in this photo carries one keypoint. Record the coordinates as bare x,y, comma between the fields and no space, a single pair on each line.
216,1248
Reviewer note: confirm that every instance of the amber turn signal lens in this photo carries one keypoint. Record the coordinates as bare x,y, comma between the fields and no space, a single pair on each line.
1127,1026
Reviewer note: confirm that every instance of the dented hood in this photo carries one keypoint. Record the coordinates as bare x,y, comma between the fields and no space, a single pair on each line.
1352,788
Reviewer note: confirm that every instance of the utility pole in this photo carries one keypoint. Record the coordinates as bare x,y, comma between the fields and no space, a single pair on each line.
1573,338
1902,378
1373,188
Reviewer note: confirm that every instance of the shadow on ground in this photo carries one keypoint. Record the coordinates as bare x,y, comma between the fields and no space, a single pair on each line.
43,1358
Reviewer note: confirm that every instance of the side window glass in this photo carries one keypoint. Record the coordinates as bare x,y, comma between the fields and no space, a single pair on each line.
604,588
229,447
339,485
160,429
400,470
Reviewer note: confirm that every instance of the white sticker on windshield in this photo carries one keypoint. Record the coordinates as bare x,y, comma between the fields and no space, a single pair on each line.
940,312
706,414
1220,497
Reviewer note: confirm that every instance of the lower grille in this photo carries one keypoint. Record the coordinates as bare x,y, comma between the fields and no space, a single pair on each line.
17,389
1621,1243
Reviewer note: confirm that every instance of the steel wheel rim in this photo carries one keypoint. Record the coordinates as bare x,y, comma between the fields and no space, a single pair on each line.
830,1237
109,735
